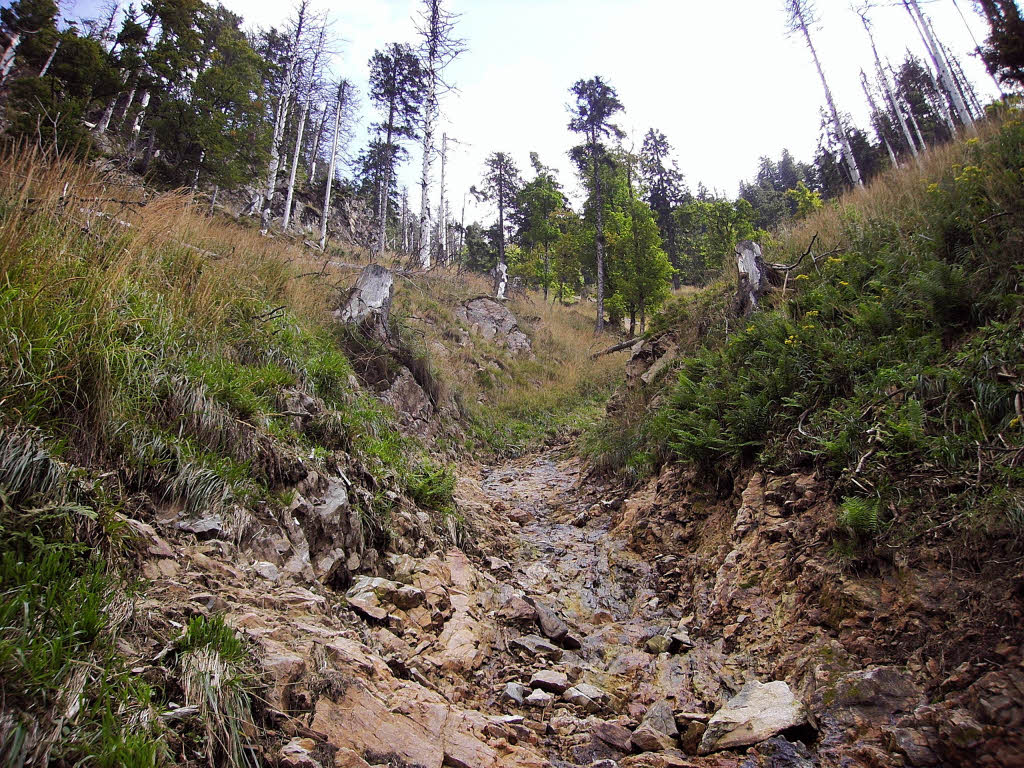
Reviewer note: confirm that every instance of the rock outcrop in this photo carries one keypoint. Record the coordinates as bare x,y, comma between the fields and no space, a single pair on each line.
758,712
368,305
495,322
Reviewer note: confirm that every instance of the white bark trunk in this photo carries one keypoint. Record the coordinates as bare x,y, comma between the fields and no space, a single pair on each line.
316,144
429,122
7,61
295,167
49,60
940,65
844,141
442,208
875,111
330,173
143,103
890,97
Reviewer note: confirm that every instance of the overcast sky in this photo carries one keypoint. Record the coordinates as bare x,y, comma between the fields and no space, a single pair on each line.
720,79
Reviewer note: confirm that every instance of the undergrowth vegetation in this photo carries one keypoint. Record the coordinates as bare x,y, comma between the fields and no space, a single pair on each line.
148,352
511,404
893,362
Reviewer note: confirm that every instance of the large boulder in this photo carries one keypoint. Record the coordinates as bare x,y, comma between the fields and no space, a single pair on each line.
413,407
368,306
758,712
494,321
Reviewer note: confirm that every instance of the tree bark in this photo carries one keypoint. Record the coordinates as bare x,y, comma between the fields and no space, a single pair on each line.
49,60
7,60
875,111
599,202
442,208
295,167
844,141
936,55
889,95
330,173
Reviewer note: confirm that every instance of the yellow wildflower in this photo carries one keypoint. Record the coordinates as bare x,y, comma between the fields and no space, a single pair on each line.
812,313
750,328
802,277
843,282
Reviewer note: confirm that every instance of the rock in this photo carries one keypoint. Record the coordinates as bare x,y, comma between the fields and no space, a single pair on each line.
521,516
571,643
347,758
518,610
494,321
266,570
368,609
588,697
368,306
412,405
408,597
661,717
658,644
777,752
646,738
297,754
680,641
614,735
497,564
515,692
758,712
551,680
539,698
689,739
549,622
538,646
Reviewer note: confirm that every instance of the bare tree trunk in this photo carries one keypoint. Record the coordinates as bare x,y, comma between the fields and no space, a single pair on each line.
599,324
940,65
213,199
295,167
137,124
7,60
330,173
977,46
281,120
405,220
316,144
49,60
889,95
917,128
844,141
875,112
442,208
429,123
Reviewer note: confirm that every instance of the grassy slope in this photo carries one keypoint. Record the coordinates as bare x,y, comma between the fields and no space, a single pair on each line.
894,365
148,355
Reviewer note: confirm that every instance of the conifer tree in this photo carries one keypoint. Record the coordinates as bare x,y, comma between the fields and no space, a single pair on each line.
501,184
596,105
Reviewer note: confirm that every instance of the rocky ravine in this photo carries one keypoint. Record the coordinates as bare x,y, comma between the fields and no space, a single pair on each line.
662,630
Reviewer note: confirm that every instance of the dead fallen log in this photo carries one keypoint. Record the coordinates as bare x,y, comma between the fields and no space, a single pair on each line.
617,348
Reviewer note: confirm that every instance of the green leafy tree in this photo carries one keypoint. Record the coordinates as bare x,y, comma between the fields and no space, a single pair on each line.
666,190
806,201
596,105
538,204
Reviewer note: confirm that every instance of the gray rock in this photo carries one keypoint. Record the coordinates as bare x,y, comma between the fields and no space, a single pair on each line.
266,570
494,321
369,304
614,735
515,692
648,739
408,597
758,712
539,699
661,718
551,680
588,697
538,646
680,641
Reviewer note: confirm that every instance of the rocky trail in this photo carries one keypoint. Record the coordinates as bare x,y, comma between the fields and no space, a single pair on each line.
561,639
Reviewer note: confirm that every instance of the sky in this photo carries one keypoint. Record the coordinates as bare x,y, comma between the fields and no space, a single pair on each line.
720,79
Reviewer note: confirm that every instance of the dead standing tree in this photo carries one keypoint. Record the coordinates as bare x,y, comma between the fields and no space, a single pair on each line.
801,17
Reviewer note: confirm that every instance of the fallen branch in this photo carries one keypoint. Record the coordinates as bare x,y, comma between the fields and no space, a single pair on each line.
617,348
790,267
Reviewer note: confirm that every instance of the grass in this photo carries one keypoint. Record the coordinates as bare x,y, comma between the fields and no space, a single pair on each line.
511,404
146,348
893,365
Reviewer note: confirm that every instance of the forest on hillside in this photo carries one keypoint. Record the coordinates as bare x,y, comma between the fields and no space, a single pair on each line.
186,94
